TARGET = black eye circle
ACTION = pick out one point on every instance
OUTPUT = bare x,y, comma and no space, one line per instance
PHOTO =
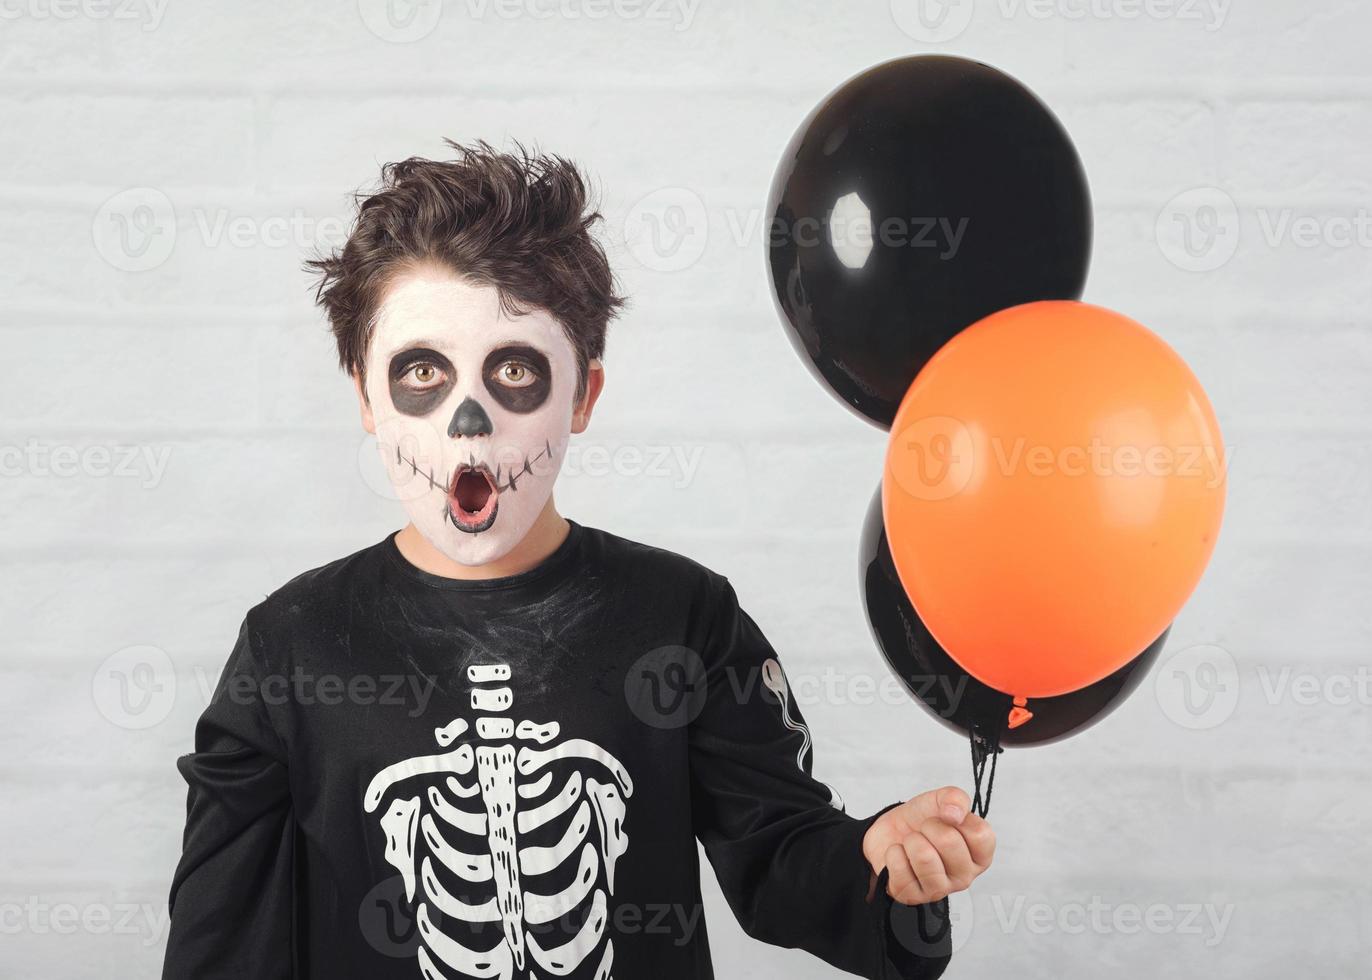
517,376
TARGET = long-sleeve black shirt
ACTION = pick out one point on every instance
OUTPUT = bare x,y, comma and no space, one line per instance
403,775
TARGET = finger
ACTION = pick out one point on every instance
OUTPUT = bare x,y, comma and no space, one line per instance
954,855
980,838
927,864
949,804
901,883
953,805
886,830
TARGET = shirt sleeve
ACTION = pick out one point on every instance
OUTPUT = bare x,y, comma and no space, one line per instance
787,857
232,897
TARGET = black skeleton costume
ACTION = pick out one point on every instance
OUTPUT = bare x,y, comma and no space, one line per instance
404,775
412,776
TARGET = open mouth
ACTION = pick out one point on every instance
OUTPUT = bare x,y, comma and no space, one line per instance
472,499
474,491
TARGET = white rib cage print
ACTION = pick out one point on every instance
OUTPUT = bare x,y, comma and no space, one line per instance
461,815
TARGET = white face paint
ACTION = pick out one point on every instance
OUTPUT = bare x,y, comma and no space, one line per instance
472,408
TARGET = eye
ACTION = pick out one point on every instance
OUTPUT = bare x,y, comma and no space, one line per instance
515,374
422,376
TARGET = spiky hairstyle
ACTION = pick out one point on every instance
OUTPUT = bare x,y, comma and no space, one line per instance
519,221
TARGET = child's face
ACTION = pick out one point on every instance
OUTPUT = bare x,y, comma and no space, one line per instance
472,410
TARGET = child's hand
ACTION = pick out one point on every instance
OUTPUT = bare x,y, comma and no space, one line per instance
933,844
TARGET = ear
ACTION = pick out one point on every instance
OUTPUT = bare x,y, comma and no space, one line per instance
595,382
364,406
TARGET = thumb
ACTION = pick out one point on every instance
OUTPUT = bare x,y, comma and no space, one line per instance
949,804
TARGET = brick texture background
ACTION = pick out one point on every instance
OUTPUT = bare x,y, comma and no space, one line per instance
177,441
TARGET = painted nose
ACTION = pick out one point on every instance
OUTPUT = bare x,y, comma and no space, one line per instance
470,419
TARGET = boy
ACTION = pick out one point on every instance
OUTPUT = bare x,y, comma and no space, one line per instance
487,745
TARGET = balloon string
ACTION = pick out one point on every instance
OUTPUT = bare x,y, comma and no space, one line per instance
985,748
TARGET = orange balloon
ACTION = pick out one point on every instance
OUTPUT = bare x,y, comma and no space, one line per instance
1053,490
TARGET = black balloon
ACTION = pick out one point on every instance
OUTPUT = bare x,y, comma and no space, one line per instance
948,692
919,197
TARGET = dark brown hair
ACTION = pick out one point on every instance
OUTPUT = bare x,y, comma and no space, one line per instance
518,221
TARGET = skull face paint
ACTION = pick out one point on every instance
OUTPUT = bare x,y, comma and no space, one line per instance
472,410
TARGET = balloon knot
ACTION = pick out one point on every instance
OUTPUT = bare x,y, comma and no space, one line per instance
1019,714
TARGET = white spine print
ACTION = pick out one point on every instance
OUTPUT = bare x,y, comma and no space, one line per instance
775,680
544,785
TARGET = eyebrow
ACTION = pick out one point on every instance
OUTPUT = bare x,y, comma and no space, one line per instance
428,342
518,343
435,345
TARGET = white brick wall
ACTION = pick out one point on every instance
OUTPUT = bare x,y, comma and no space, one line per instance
242,117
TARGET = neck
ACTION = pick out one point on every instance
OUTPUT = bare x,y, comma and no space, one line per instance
549,530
